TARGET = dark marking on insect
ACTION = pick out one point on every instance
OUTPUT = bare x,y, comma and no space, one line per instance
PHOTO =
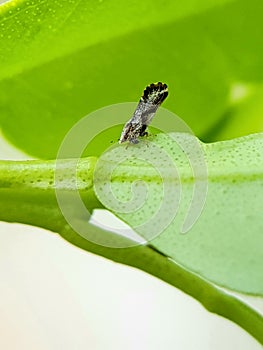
153,96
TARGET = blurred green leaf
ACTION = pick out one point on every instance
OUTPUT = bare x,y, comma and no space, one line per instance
61,60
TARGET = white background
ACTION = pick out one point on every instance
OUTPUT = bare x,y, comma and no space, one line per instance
56,296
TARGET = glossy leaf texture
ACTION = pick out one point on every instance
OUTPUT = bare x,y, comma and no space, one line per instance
60,60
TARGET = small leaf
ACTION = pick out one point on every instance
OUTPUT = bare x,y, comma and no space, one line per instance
224,240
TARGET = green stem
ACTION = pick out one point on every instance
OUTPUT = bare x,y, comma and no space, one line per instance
27,195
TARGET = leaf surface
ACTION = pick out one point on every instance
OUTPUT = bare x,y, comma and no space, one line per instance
60,60
224,239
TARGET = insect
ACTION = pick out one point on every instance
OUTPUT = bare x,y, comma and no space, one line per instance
153,96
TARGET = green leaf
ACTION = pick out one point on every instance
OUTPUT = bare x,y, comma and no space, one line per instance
223,244
61,60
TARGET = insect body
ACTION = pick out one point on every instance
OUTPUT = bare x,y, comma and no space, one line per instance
152,97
